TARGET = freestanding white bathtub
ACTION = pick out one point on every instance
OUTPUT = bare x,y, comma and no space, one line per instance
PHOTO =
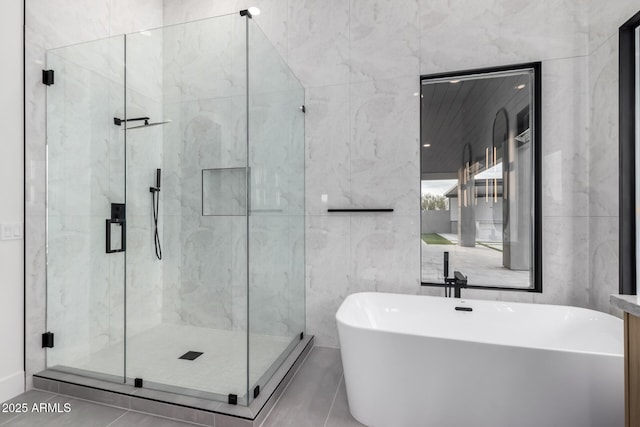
416,361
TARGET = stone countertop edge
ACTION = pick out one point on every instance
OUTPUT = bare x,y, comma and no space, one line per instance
628,303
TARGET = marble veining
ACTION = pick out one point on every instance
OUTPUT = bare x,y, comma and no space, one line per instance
318,41
383,39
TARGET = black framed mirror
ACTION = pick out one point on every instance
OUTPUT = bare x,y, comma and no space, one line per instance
629,146
480,178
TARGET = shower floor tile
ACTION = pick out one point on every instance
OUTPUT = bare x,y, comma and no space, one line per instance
154,356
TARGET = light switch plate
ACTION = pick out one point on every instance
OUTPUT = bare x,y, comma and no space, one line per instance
7,231
17,231
11,231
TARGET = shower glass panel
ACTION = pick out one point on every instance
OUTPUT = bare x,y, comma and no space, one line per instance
276,208
193,77
85,173
176,209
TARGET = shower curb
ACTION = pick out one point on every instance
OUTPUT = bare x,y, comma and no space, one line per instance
175,406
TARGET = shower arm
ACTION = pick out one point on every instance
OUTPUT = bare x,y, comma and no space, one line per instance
118,122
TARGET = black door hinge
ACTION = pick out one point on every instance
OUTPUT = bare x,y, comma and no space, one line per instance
303,109
233,399
256,391
137,382
47,77
47,340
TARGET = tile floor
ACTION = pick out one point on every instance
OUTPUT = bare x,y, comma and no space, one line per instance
316,397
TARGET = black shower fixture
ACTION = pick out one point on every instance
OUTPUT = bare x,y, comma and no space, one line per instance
118,122
155,205
157,187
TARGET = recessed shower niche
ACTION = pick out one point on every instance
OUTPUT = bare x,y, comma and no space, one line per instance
224,191
175,125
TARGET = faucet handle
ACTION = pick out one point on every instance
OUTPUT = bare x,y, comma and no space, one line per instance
460,278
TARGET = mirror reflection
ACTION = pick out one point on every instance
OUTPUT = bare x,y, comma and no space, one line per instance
477,178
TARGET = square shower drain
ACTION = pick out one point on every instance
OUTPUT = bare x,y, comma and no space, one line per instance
191,355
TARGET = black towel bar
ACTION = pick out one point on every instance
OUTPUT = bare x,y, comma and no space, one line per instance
360,210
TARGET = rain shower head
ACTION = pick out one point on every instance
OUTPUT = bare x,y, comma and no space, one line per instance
119,122
147,124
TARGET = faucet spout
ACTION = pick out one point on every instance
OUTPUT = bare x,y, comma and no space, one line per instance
459,282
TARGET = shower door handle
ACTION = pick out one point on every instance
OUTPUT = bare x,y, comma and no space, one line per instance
117,217
123,234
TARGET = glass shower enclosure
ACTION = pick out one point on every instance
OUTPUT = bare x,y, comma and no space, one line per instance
175,209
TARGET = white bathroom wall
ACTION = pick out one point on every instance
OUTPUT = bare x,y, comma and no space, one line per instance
11,207
604,22
360,63
53,24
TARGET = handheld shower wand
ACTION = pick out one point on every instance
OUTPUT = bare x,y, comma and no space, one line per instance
155,203
156,189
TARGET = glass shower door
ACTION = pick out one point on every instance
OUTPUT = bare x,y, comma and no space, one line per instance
85,168
276,213
187,312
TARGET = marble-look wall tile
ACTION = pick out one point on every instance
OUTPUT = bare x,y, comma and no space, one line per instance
384,39
606,17
328,265
146,14
603,150
384,253
180,11
213,271
270,256
565,148
327,136
172,311
384,148
69,284
458,35
296,291
565,265
318,39
63,22
209,279
603,142
546,29
198,68
603,262
144,70
273,21
276,151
